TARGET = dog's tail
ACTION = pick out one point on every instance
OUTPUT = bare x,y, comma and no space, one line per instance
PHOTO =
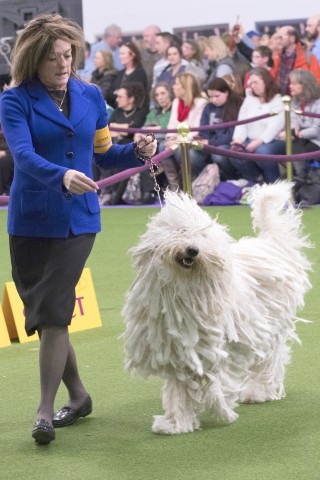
279,226
274,213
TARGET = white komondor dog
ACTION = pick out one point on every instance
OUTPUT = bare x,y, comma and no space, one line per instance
212,316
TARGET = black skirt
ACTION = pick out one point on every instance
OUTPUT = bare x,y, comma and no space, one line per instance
46,272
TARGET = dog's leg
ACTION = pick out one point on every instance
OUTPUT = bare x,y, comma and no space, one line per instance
180,415
266,381
221,403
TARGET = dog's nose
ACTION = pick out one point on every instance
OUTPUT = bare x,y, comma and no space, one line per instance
192,251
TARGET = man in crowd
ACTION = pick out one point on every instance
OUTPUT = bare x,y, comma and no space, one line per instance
149,53
292,56
313,33
163,41
111,40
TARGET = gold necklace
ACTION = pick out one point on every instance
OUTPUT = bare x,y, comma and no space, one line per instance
58,102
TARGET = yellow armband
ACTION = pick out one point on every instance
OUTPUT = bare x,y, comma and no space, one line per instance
102,140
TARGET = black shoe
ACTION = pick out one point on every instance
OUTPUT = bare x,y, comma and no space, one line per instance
43,432
66,416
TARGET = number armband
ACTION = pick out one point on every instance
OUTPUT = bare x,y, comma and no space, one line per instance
102,140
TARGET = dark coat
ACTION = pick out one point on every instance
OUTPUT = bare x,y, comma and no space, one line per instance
106,81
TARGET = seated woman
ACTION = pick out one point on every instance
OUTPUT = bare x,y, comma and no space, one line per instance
187,107
175,66
128,113
305,93
157,118
105,74
224,105
260,137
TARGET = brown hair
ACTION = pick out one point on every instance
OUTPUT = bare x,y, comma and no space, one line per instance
271,86
133,47
136,90
235,83
36,41
197,53
265,52
234,101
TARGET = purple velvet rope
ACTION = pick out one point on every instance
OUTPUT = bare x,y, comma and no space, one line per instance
4,199
309,114
118,177
206,127
192,129
255,156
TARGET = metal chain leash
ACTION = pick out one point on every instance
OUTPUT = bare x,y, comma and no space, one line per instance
154,169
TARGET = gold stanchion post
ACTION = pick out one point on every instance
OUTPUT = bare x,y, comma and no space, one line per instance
183,130
287,109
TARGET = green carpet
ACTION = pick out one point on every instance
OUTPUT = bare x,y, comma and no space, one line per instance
273,441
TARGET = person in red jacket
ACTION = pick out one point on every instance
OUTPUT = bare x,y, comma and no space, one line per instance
292,56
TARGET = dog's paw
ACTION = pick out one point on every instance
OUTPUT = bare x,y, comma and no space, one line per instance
168,426
256,393
227,416
251,400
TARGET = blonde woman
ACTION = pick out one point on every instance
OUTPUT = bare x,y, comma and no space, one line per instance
219,57
186,107
105,74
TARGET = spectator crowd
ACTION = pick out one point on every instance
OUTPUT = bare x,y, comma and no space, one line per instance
160,81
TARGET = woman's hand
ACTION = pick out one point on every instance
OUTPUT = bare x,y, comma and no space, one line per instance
282,135
202,141
138,136
295,133
146,146
78,182
171,140
253,145
236,141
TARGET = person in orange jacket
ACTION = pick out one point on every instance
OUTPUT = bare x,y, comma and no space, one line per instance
293,56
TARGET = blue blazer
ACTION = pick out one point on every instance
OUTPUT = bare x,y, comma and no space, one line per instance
45,144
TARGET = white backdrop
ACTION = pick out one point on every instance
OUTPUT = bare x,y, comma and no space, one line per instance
134,15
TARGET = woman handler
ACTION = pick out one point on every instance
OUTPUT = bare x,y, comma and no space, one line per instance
54,123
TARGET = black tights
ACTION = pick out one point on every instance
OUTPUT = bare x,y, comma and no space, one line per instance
58,362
